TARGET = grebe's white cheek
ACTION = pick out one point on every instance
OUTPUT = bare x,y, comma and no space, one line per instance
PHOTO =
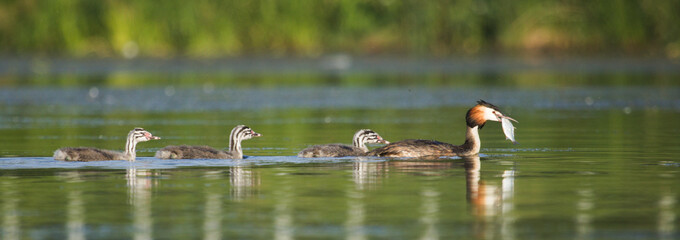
490,115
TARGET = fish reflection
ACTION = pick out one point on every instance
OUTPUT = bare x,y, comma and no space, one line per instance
507,220
139,183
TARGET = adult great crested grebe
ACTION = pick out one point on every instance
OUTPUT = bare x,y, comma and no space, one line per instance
476,118
359,148
135,136
238,134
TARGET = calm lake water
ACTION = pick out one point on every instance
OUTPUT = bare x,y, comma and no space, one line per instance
598,154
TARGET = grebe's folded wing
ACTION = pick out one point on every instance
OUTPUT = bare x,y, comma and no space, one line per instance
415,148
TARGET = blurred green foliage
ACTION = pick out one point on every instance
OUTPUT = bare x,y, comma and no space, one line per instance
309,28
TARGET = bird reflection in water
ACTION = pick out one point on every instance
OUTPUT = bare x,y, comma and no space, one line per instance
212,224
75,217
367,174
244,182
140,182
75,209
491,204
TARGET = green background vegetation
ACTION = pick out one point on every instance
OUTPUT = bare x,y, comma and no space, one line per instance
176,28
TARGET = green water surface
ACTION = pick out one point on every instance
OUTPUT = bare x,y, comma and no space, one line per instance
594,161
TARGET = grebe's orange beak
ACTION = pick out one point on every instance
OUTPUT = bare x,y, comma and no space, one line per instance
509,118
501,116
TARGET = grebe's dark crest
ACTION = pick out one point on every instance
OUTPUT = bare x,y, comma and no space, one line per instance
479,114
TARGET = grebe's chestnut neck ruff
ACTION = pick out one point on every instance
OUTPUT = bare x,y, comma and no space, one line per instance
475,118
358,148
135,136
482,112
238,134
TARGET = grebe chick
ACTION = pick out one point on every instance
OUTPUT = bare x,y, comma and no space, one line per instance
359,148
135,136
476,118
238,134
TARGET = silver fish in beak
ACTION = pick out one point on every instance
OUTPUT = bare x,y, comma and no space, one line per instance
508,128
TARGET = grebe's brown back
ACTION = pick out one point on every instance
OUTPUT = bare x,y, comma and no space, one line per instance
476,118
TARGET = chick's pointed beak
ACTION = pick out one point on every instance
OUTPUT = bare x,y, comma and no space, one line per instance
255,134
149,136
382,140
